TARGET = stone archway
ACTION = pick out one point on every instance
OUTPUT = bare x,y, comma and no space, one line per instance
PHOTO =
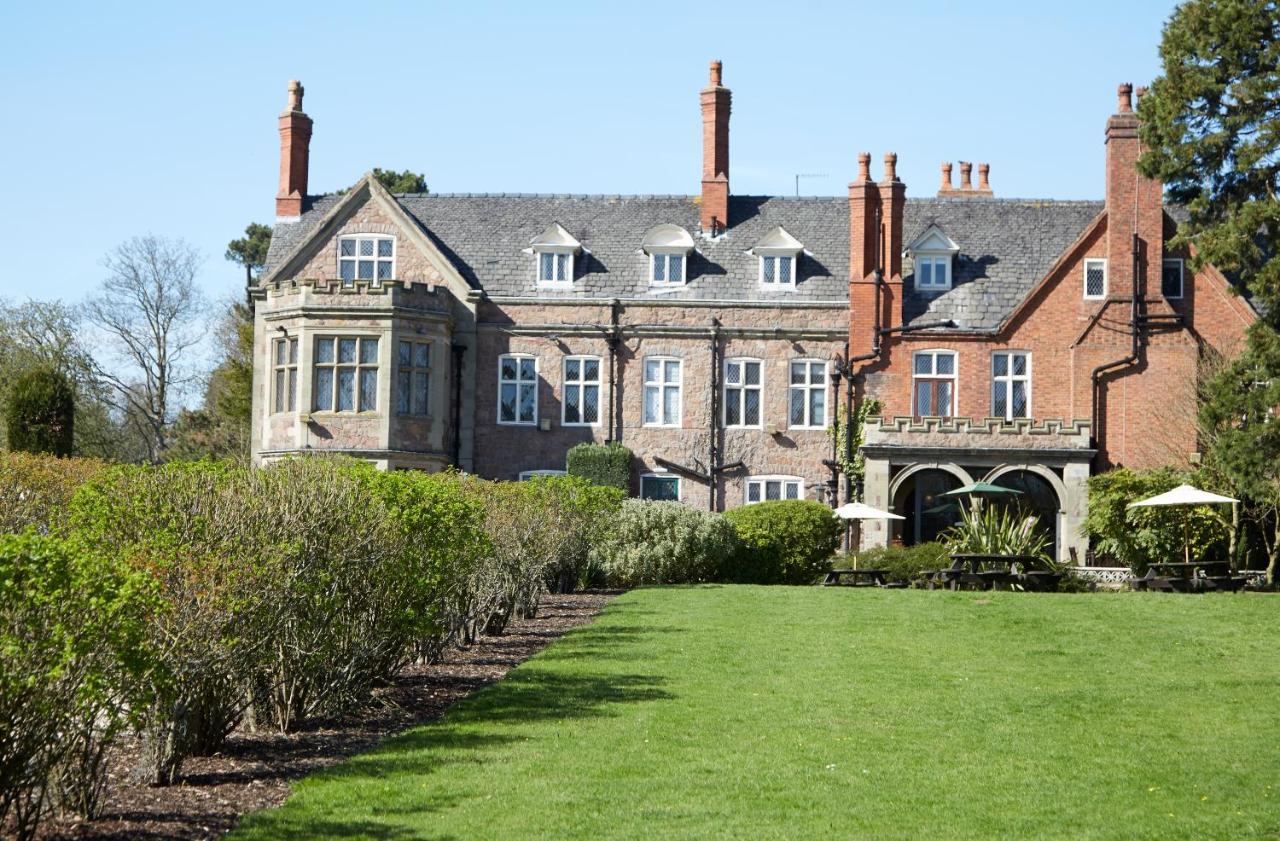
916,495
1043,492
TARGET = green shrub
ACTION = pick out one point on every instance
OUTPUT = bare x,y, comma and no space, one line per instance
783,542
993,529
608,465
665,543
586,514
906,563
40,415
72,658
36,490
1135,537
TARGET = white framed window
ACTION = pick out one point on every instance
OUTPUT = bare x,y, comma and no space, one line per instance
581,405
933,384
413,378
1171,277
366,257
346,374
518,389
660,486
777,270
526,475
666,269
933,272
662,383
285,367
743,390
808,394
1011,384
769,488
555,268
1095,278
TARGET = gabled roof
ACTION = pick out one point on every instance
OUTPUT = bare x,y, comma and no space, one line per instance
777,241
555,237
1006,246
932,238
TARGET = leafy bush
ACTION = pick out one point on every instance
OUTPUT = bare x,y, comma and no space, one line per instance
1135,537
993,529
608,465
36,490
40,415
783,542
665,543
906,563
72,657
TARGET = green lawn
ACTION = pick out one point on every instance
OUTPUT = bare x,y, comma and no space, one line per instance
753,712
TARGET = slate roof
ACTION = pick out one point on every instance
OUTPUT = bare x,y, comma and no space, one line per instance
1006,246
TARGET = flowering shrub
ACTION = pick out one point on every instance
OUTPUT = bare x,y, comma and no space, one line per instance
665,543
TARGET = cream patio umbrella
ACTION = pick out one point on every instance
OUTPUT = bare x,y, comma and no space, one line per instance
862,511
1184,495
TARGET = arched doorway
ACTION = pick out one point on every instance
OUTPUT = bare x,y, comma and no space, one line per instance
1038,497
927,513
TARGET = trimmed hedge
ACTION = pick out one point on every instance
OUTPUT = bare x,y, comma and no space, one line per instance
608,465
783,542
73,656
665,543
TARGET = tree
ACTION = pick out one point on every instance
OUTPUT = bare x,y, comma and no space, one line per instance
220,428
251,250
1211,129
1239,415
401,182
40,414
152,318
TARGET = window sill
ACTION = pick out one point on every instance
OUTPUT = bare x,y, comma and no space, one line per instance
323,413
525,424
580,425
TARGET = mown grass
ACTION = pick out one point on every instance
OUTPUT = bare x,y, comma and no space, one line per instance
750,712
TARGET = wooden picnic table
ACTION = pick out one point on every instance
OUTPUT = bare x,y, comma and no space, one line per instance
967,568
1189,577
861,577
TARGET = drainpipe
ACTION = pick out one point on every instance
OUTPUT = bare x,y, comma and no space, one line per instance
614,340
1131,359
713,451
456,413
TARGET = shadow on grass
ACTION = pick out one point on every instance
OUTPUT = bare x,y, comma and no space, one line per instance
472,733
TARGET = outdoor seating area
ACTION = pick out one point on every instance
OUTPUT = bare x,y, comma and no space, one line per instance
861,578
989,572
1190,577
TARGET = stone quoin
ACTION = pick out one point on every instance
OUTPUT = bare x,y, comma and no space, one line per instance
1027,342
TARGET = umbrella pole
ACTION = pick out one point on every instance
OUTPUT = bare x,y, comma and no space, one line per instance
1186,541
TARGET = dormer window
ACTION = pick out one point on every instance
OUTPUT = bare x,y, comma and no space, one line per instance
932,253
365,257
553,251
667,247
779,254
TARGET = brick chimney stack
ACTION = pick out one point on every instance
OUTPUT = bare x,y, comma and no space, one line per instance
945,188
715,153
295,142
893,202
966,175
875,242
984,185
1135,205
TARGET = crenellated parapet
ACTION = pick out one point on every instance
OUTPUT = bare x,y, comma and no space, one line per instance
985,433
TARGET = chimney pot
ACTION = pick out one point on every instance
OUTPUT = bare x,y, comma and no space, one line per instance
716,69
864,166
984,171
1124,97
966,174
295,95
891,166
945,187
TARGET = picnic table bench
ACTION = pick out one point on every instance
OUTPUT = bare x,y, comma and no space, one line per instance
861,577
968,568
1189,577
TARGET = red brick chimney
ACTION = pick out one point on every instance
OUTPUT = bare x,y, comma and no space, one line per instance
945,187
715,154
864,239
893,201
295,141
1135,204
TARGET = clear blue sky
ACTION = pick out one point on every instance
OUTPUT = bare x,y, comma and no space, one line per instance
161,118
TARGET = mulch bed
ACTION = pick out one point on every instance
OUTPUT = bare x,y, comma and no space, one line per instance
255,769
